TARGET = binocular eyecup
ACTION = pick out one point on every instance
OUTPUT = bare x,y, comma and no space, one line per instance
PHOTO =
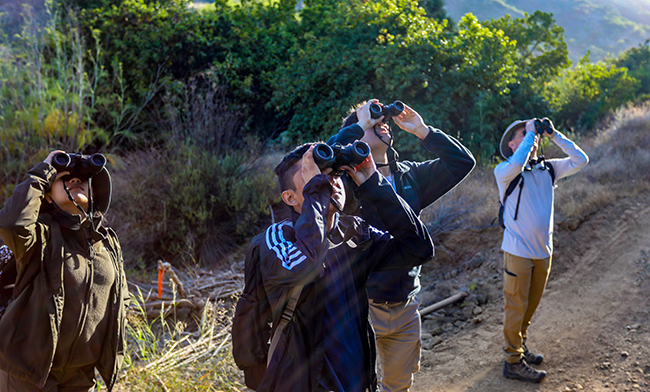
542,126
394,109
336,155
80,166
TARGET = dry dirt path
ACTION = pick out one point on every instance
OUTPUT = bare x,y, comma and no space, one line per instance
593,324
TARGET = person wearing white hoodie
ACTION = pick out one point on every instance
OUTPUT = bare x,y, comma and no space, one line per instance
528,236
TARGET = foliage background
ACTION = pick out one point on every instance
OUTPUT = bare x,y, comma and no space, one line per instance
194,105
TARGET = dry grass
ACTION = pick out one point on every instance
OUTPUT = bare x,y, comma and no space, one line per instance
171,354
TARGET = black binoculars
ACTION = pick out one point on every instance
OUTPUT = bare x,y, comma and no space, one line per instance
336,155
394,109
542,126
80,166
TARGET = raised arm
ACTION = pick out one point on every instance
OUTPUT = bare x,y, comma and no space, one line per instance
576,160
19,215
438,176
406,241
293,253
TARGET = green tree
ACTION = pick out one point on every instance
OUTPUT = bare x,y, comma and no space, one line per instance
435,9
541,50
637,62
587,93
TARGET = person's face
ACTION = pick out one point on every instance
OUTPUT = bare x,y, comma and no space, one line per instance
79,191
375,143
295,198
518,138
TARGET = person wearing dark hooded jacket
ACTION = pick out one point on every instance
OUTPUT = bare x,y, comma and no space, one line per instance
68,314
328,345
393,294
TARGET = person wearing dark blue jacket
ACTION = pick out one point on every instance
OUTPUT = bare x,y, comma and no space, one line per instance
393,302
328,343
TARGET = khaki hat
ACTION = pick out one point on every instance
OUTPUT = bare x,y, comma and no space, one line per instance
505,150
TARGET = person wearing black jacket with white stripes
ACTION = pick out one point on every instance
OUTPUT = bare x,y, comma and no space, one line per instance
329,343
393,302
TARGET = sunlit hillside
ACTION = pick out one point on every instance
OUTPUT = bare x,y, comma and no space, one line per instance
599,26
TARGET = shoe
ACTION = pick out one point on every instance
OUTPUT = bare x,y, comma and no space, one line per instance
521,371
532,358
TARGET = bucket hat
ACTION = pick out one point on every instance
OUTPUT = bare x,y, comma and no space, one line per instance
505,150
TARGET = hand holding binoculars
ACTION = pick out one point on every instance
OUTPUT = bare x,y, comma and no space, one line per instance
80,166
394,109
542,126
336,155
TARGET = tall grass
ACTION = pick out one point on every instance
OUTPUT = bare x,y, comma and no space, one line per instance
46,95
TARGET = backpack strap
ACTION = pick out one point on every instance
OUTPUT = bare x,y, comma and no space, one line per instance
551,171
511,187
287,315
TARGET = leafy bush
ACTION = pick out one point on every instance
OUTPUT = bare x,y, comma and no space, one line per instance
637,62
202,192
470,82
585,94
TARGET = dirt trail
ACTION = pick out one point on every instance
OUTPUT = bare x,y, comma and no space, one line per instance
593,324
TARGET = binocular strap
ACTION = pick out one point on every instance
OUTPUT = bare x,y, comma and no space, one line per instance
393,156
90,201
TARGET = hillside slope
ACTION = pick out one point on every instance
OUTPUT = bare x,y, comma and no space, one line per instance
600,26
593,324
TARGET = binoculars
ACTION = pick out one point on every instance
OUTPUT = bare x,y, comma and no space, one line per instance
80,166
542,126
336,155
394,109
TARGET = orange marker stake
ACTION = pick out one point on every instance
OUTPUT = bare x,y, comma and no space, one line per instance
161,275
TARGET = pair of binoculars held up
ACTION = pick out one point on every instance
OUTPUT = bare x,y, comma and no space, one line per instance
394,109
80,166
542,126
336,155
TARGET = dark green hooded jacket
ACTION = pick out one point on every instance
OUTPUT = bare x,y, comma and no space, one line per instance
31,327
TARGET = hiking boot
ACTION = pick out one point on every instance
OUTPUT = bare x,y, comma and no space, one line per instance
532,358
521,371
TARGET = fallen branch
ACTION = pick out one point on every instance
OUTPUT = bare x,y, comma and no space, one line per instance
439,305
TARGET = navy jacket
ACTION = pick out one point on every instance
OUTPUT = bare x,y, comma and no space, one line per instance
299,251
419,184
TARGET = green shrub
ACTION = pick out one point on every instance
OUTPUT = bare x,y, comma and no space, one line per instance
587,93
637,62
199,194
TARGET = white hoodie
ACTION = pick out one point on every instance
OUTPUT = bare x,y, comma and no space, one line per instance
531,235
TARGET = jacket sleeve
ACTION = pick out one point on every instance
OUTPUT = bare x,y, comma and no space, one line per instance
347,135
19,215
506,171
406,241
576,160
437,177
294,255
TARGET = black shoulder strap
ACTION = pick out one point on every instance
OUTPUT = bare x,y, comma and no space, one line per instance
511,187
551,171
287,317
